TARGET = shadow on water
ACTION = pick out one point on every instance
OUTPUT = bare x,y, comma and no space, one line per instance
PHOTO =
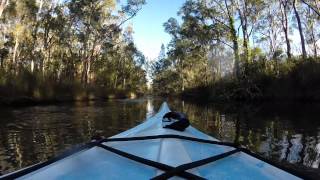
282,132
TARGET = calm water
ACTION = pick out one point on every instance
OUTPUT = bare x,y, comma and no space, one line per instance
288,133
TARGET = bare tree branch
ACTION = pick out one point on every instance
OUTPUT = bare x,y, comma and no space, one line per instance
311,7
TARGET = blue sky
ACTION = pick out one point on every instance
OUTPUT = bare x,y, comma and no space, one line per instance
148,25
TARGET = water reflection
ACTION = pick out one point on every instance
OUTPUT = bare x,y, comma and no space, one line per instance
284,133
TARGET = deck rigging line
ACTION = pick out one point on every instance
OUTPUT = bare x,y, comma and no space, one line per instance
148,162
169,171
194,164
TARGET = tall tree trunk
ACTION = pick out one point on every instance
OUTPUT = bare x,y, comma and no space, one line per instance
303,45
287,42
181,75
271,32
124,83
235,45
115,82
284,22
84,74
182,88
2,6
315,51
32,66
314,41
15,51
311,24
40,8
88,71
245,39
84,58
244,26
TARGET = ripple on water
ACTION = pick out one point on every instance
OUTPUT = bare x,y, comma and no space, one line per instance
33,134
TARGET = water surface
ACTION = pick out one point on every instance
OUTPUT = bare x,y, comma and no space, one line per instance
286,133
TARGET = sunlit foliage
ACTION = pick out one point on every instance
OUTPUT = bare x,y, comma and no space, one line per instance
64,48
244,49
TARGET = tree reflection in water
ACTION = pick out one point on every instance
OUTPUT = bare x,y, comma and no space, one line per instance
285,133
281,132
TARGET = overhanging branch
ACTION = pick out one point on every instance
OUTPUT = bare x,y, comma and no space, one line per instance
311,7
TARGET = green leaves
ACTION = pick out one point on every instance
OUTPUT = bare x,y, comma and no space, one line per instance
133,6
172,27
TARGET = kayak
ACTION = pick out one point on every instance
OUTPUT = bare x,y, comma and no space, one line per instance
149,151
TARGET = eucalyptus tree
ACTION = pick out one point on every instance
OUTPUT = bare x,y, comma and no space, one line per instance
249,12
312,32
89,20
21,14
207,25
223,14
161,63
71,41
215,29
164,74
300,28
269,27
94,23
216,24
284,8
177,50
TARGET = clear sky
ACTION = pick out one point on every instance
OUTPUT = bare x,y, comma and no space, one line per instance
148,25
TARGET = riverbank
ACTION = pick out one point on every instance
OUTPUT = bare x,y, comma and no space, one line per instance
27,88
21,101
295,81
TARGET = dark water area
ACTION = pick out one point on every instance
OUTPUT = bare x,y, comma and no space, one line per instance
286,133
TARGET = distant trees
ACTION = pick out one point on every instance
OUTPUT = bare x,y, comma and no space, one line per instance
76,41
255,33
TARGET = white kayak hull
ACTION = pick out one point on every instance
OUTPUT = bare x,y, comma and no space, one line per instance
97,163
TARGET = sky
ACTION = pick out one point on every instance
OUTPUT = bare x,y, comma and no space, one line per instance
148,27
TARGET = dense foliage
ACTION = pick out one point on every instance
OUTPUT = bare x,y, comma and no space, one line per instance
73,48
242,50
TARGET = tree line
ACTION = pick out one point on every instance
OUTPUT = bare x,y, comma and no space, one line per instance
50,46
242,49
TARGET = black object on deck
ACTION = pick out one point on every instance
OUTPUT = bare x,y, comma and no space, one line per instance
175,120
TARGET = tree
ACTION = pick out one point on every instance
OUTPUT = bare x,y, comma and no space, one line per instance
312,34
254,34
217,19
313,5
269,27
161,63
302,41
65,43
3,4
284,8
248,11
